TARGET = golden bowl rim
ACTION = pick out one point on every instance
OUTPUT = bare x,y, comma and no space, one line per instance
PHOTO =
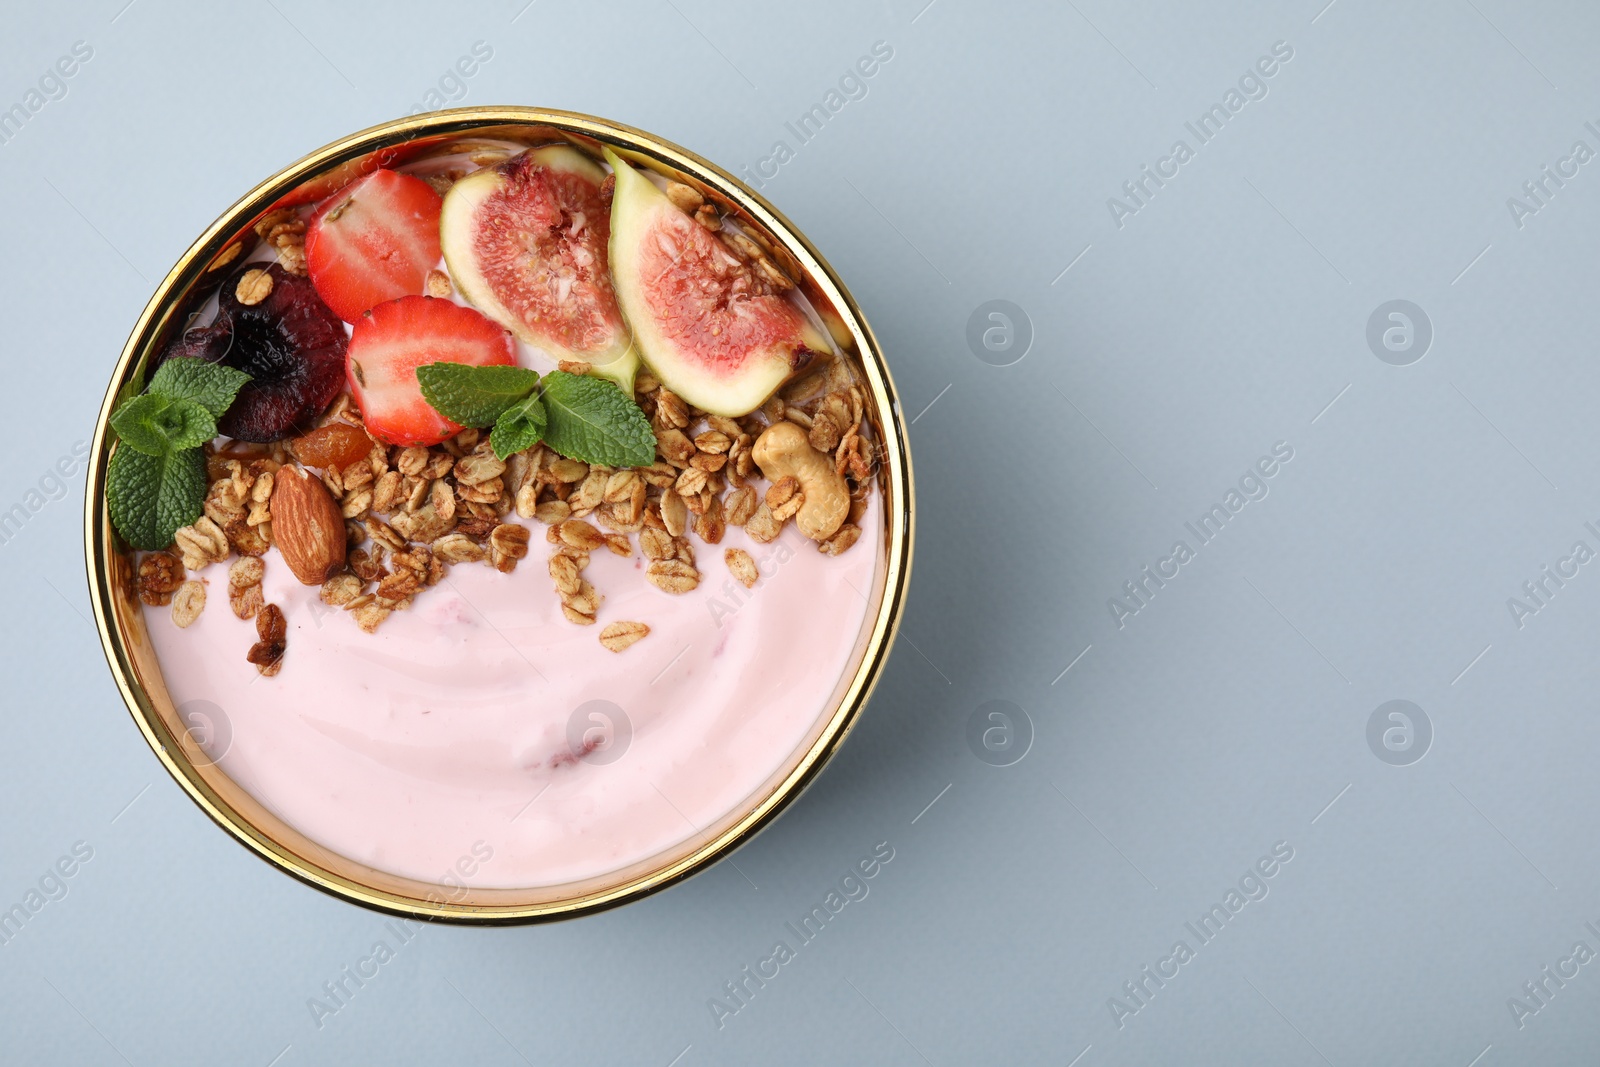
100,543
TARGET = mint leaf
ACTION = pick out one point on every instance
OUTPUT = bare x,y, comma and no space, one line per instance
157,425
211,385
518,427
156,481
150,497
134,423
473,396
592,420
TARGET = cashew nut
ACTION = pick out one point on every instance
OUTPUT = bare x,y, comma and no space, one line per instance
782,450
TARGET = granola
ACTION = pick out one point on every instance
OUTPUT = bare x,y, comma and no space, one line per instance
272,631
160,575
742,566
618,636
411,512
187,603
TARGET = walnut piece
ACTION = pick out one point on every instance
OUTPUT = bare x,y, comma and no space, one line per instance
293,260
160,575
254,286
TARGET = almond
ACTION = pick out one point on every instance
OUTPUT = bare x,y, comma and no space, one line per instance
307,526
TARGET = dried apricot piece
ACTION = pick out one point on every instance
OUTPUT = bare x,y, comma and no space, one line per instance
337,444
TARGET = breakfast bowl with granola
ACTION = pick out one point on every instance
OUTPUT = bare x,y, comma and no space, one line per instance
498,515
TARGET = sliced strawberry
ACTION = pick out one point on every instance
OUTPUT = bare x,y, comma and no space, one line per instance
374,240
395,338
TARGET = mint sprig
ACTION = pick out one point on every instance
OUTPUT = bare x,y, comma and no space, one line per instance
590,419
157,425
584,418
474,396
156,481
519,427
151,497
211,385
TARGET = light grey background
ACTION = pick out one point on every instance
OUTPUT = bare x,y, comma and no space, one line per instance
1227,314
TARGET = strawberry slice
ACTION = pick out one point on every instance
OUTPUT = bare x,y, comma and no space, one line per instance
374,240
392,340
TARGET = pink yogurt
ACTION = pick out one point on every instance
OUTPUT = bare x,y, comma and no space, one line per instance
449,733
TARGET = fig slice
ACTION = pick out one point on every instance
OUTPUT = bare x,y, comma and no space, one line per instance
709,326
526,244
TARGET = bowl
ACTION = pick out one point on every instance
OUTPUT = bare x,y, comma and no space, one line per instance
132,657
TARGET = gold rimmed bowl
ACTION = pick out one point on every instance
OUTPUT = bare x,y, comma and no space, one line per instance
133,659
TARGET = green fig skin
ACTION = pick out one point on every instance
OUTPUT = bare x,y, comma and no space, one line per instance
716,378
459,223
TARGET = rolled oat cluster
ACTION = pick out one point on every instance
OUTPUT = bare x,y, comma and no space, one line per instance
410,513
